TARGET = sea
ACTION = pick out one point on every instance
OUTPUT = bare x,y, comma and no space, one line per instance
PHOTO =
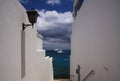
61,63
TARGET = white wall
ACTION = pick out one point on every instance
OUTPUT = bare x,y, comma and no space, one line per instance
95,41
10,40
20,57
39,42
37,66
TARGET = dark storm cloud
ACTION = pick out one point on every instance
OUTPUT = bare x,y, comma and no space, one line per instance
61,35
56,28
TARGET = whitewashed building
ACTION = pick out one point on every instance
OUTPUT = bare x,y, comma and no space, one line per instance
95,42
21,55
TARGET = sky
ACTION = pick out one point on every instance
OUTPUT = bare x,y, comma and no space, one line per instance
54,22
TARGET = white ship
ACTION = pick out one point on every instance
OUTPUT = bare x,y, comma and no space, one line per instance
58,50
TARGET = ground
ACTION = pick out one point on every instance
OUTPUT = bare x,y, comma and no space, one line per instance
61,80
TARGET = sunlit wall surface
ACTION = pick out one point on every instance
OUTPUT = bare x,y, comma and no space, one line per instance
21,59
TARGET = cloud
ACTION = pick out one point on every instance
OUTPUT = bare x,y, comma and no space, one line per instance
52,19
56,28
53,2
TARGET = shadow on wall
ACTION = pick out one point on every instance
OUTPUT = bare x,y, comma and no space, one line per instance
22,54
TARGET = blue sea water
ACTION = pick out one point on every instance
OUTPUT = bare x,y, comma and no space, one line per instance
61,63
